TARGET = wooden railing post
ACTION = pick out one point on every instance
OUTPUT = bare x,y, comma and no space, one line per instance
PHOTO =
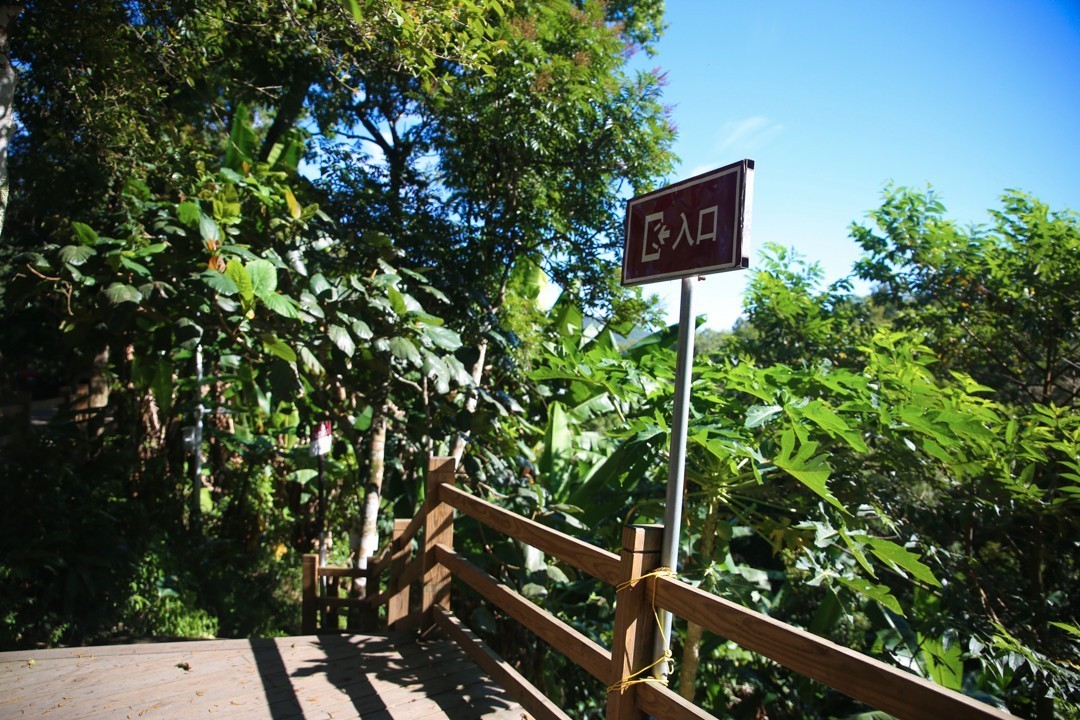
397,606
438,530
309,612
635,622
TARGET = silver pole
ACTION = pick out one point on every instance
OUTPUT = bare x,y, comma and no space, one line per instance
684,369
196,461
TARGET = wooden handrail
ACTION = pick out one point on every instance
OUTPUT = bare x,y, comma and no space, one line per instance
863,678
601,564
586,653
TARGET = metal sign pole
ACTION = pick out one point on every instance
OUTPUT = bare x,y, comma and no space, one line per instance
684,369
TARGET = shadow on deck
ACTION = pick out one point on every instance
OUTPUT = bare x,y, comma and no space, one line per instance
376,677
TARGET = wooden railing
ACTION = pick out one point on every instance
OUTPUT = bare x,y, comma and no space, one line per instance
639,594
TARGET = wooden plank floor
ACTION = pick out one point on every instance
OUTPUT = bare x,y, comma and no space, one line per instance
327,676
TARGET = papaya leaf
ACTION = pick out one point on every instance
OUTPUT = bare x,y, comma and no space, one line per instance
811,470
759,414
878,593
902,559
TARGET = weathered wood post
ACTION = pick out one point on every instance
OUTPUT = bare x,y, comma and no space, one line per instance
438,530
397,607
636,625
309,609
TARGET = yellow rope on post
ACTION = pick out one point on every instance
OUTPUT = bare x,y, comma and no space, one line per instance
633,678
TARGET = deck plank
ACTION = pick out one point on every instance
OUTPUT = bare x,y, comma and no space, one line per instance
377,677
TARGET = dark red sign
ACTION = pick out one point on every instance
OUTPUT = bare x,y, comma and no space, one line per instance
694,227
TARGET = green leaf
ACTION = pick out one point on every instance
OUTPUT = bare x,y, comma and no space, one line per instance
310,362
363,420
277,347
281,304
263,277
303,476
878,593
340,337
757,414
361,330
162,385
121,293
188,213
1071,629
208,229
403,349
945,665
813,472
76,254
240,276
397,300
442,337
220,282
902,559
294,207
84,233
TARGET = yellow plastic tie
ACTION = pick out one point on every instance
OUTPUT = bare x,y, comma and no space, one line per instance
633,678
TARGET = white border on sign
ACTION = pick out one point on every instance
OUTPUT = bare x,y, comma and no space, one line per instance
741,240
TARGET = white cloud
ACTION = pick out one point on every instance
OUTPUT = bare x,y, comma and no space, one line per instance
743,137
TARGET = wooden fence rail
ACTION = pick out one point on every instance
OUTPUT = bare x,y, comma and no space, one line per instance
639,594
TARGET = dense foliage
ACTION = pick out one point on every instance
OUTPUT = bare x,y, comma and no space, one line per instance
253,218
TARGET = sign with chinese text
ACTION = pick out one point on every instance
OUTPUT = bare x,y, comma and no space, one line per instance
694,227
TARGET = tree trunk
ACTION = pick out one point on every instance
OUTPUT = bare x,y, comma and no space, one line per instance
369,527
8,13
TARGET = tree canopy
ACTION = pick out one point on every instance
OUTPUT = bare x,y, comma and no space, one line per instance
231,222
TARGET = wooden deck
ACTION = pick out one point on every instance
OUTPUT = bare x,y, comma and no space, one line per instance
327,676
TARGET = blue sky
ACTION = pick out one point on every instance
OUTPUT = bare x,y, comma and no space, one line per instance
835,99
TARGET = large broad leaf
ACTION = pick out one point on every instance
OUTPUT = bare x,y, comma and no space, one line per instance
76,254
284,381
944,661
220,282
263,277
162,384
294,207
84,233
239,275
558,441
310,362
403,349
278,348
281,304
361,330
209,230
443,337
340,337
188,212
397,300
902,559
436,370
121,293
